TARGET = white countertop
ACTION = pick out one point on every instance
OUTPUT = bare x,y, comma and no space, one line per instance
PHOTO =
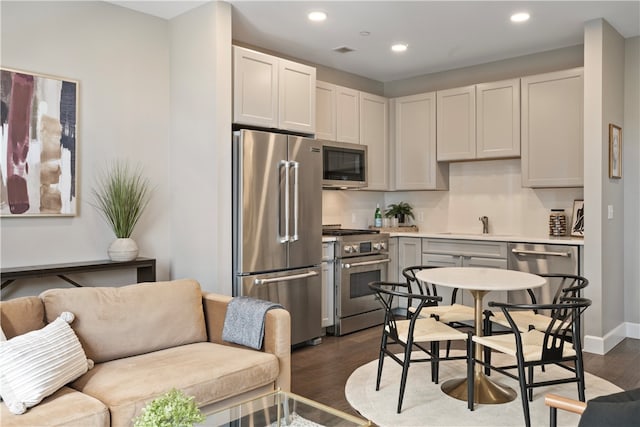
575,241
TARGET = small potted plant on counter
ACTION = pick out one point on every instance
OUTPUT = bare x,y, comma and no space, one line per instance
401,210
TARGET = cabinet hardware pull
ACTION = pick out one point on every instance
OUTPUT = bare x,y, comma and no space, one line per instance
525,252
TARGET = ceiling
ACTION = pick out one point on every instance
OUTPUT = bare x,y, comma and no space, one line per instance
441,35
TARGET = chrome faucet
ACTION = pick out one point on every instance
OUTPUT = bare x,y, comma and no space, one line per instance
485,224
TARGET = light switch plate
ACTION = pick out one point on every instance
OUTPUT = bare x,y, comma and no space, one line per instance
609,211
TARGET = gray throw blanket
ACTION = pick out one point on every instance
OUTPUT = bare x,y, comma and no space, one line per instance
244,321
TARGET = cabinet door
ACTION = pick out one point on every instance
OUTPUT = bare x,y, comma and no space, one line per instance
297,97
255,88
325,111
414,144
348,115
456,134
374,133
409,253
327,294
498,119
552,129
394,273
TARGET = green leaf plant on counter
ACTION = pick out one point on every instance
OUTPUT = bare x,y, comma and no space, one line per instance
399,210
172,409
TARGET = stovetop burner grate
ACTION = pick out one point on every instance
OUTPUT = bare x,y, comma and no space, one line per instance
346,232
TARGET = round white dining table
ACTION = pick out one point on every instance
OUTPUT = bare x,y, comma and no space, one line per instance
479,282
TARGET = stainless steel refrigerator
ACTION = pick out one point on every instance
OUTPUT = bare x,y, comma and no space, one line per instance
277,224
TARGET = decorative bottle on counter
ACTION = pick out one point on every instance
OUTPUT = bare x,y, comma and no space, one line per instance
557,223
377,217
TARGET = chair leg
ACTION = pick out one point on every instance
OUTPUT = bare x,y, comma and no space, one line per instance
405,371
383,346
448,348
487,351
580,374
530,391
553,417
435,361
523,392
470,372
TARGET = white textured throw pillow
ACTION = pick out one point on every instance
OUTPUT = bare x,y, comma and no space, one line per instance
36,364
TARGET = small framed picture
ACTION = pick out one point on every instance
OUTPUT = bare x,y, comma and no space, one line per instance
577,222
615,151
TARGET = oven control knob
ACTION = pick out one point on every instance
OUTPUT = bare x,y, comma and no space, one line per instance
349,249
377,246
383,246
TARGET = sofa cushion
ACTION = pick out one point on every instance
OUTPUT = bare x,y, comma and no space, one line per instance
66,407
209,372
38,363
21,315
112,323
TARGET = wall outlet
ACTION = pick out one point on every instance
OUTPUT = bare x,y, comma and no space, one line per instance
609,211
420,217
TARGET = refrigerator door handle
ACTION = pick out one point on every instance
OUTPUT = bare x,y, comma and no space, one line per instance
285,238
545,253
259,282
296,200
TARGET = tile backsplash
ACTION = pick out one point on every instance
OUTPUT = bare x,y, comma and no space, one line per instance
490,187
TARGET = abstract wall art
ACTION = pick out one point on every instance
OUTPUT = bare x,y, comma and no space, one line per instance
39,145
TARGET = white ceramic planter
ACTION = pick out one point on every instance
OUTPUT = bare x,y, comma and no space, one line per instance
123,249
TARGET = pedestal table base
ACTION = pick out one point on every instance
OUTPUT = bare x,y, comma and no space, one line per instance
485,390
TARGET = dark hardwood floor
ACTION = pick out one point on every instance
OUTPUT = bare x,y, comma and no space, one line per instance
320,372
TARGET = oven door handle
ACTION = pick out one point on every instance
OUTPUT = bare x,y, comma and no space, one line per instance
259,282
359,264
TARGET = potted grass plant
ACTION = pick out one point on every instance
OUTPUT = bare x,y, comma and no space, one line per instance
401,210
172,409
121,194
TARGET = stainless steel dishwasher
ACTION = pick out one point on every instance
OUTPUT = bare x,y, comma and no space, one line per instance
541,259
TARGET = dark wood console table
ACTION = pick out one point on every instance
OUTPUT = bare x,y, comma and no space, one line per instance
146,269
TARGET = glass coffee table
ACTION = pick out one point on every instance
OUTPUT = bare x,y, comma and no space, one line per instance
279,408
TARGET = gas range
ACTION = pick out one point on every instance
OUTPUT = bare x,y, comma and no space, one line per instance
361,257
354,242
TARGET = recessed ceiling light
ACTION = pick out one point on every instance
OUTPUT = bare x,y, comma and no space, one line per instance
399,47
520,17
317,16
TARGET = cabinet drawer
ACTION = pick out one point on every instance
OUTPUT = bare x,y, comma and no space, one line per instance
488,249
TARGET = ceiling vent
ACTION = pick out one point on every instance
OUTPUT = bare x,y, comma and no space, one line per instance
343,49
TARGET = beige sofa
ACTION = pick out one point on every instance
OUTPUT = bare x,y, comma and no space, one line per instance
144,340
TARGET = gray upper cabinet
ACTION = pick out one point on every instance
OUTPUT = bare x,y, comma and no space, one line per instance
479,121
272,92
552,129
414,144
374,133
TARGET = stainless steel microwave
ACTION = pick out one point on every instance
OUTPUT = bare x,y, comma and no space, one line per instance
344,165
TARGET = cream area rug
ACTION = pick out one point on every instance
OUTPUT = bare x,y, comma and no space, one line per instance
426,405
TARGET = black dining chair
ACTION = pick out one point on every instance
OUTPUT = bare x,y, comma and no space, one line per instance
453,314
566,285
410,333
559,344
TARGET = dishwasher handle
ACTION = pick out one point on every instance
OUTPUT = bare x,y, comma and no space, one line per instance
542,253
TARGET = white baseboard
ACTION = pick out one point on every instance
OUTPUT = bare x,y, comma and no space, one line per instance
601,345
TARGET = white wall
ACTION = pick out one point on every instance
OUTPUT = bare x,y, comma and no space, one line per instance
121,60
631,160
604,238
201,146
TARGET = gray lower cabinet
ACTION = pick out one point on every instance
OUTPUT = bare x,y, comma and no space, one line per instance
328,284
465,253
393,260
